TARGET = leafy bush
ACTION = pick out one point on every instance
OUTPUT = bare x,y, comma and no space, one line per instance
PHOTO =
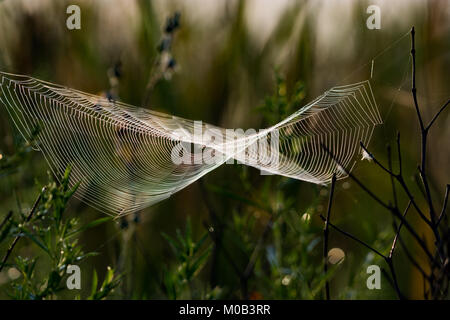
56,236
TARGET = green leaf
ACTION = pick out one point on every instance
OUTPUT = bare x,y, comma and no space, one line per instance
90,225
36,241
199,262
70,193
199,244
94,283
173,245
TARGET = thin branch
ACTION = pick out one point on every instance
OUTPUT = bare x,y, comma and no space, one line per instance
354,238
399,153
388,278
414,89
413,233
393,210
387,259
378,163
425,182
394,279
418,181
412,259
425,293
444,205
424,132
358,182
437,115
254,257
394,191
439,279
325,237
227,255
6,219
27,219
400,179
394,242
432,221
215,229
410,196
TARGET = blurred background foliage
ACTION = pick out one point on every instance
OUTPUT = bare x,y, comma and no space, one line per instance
236,64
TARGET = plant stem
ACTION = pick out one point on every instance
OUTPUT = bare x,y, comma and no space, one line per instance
349,235
8,216
397,234
27,219
325,237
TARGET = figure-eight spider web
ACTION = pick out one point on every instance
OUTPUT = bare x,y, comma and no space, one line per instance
122,155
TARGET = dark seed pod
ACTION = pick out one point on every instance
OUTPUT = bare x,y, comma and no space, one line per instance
173,23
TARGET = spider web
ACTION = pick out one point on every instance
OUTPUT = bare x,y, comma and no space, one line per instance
124,156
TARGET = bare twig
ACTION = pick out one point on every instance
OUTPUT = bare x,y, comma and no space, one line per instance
349,235
397,234
423,129
392,209
399,154
444,205
437,115
401,181
412,259
425,292
414,89
325,237
388,277
431,223
394,278
356,180
439,261
394,191
385,258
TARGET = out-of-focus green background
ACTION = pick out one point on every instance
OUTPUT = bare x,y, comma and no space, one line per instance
228,55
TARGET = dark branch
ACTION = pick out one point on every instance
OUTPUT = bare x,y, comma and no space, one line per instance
27,219
400,171
412,259
378,163
437,115
387,259
444,205
400,179
424,132
394,242
388,278
358,182
394,279
394,191
393,210
6,219
354,238
325,237
414,89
